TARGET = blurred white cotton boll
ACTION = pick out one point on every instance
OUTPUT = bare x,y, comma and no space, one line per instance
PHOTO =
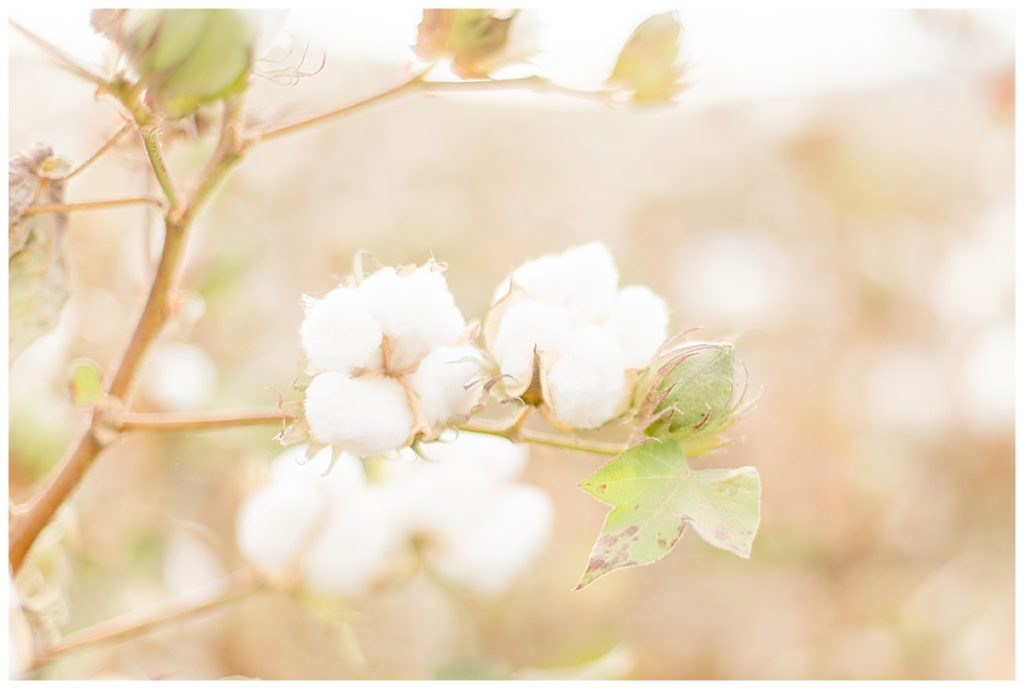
179,376
595,280
363,416
357,542
525,325
441,382
496,459
416,311
274,522
987,377
585,385
639,321
339,332
344,478
487,553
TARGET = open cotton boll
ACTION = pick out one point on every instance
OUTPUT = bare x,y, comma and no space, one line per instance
440,382
525,325
496,459
639,321
416,312
487,553
357,542
545,279
363,416
339,332
345,477
594,279
584,386
274,522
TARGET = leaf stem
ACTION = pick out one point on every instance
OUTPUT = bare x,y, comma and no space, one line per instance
111,142
134,624
63,59
199,421
525,435
94,205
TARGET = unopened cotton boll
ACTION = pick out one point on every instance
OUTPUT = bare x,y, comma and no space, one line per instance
416,311
363,416
487,553
442,382
339,332
525,325
274,522
584,386
639,321
359,539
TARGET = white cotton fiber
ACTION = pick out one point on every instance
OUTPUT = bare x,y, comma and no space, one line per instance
363,416
585,385
639,321
275,521
594,279
356,544
487,553
544,279
416,312
441,382
346,476
339,333
527,324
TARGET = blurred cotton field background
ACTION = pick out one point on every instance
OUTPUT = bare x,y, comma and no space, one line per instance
833,192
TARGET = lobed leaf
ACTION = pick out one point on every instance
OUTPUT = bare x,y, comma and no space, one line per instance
654,496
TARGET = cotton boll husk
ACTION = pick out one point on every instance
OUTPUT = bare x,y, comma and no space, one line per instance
639,321
344,478
584,387
363,416
487,553
527,324
416,311
275,521
440,382
179,376
339,332
361,536
594,279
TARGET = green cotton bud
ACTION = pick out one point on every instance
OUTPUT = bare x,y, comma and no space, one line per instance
185,58
687,394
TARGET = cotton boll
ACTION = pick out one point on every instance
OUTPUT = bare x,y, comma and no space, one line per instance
639,321
525,325
345,477
363,416
274,522
180,376
594,279
487,553
339,333
440,382
546,279
495,459
416,311
584,386
357,542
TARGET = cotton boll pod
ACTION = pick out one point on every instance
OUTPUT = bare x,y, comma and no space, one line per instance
639,321
362,416
416,311
359,539
444,382
595,282
486,554
515,329
179,376
687,394
275,522
585,387
339,332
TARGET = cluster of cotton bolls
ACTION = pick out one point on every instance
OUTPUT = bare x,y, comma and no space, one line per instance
339,533
567,313
391,358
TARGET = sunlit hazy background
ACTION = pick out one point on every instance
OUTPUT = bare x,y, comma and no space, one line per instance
833,191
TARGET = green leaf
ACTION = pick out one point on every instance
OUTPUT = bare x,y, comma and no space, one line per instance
86,383
646,66
37,276
655,495
687,395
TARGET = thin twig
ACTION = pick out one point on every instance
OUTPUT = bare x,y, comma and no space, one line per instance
63,59
111,142
525,435
199,421
135,624
535,82
94,205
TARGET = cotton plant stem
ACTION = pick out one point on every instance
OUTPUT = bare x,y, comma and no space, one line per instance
111,142
94,205
135,624
63,59
29,520
525,435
